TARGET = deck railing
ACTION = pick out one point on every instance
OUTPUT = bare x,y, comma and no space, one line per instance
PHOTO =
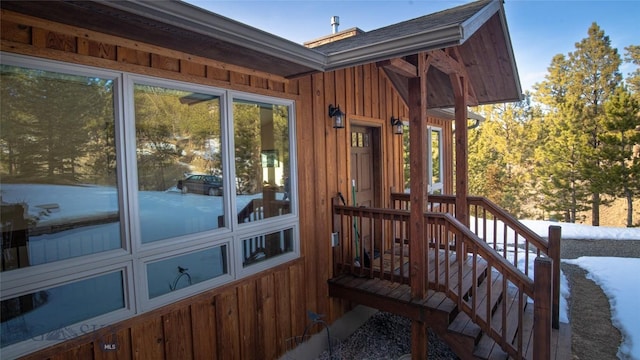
374,243
504,233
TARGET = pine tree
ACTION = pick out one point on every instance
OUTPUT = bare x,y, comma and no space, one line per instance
620,167
633,80
562,143
501,149
595,75
573,95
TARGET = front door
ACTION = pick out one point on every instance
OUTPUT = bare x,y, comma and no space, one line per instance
365,176
362,175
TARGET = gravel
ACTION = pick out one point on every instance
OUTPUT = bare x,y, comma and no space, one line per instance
385,336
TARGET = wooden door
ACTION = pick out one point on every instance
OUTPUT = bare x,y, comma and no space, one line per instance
365,174
362,173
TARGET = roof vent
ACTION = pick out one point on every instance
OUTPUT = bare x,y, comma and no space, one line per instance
335,22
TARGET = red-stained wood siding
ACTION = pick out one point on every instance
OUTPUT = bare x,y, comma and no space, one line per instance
252,317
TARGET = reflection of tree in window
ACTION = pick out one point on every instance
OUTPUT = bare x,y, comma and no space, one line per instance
435,156
175,136
53,135
258,128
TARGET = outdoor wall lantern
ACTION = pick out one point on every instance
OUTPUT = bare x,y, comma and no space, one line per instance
397,126
337,115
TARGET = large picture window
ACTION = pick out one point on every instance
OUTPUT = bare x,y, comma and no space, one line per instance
58,166
179,163
122,193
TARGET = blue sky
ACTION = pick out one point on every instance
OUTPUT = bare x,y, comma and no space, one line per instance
539,29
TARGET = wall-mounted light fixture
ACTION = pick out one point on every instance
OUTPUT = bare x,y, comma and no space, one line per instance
337,115
397,126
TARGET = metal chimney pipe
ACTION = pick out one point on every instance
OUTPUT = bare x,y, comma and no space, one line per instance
335,22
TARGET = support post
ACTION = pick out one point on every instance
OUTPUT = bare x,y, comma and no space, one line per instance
459,84
555,234
542,270
419,340
418,184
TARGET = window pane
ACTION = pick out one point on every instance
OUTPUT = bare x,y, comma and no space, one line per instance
435,157
261,160
267,246
57,167
182,271
179,162
45,314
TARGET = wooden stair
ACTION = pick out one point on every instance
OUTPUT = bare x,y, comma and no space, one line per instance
453,325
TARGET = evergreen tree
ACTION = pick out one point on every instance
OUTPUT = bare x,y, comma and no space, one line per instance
501,150
633,80
559,170
573,94
594,77
561,146
620,167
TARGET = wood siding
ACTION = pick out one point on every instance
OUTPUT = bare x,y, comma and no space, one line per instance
254,316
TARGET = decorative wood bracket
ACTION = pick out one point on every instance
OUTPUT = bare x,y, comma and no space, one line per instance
400,67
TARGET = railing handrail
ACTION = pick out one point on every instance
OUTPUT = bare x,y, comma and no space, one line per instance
488,251
496,210
394,214
517,226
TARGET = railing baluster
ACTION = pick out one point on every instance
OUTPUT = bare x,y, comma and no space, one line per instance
503,334
484,224
521,306
474,281
515,249
447,271
504,241
489,285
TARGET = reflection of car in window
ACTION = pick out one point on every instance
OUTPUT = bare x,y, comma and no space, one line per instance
201,184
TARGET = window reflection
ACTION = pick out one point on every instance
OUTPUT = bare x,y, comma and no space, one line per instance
59,195
178,146
182,271
435,156
263,186
263,247
46,314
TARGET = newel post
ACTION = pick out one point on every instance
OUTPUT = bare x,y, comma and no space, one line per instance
555,233
542,270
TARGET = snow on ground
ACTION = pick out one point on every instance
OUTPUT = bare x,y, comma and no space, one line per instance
618,278
584,232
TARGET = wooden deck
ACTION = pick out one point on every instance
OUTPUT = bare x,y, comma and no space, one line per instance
442,314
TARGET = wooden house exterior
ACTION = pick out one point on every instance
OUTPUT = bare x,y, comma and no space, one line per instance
248,311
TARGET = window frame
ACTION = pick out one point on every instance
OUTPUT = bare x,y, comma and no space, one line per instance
438,186
133,256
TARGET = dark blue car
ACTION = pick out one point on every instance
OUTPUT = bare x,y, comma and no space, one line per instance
201,184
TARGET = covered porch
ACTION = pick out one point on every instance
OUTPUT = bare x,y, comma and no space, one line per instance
456,263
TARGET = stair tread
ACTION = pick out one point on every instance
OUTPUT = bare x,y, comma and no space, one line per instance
463,325
487,348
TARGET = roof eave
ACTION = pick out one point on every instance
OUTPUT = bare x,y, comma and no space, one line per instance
512,58
433,39
193,18
471,25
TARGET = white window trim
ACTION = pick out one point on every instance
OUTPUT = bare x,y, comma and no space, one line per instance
133,256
